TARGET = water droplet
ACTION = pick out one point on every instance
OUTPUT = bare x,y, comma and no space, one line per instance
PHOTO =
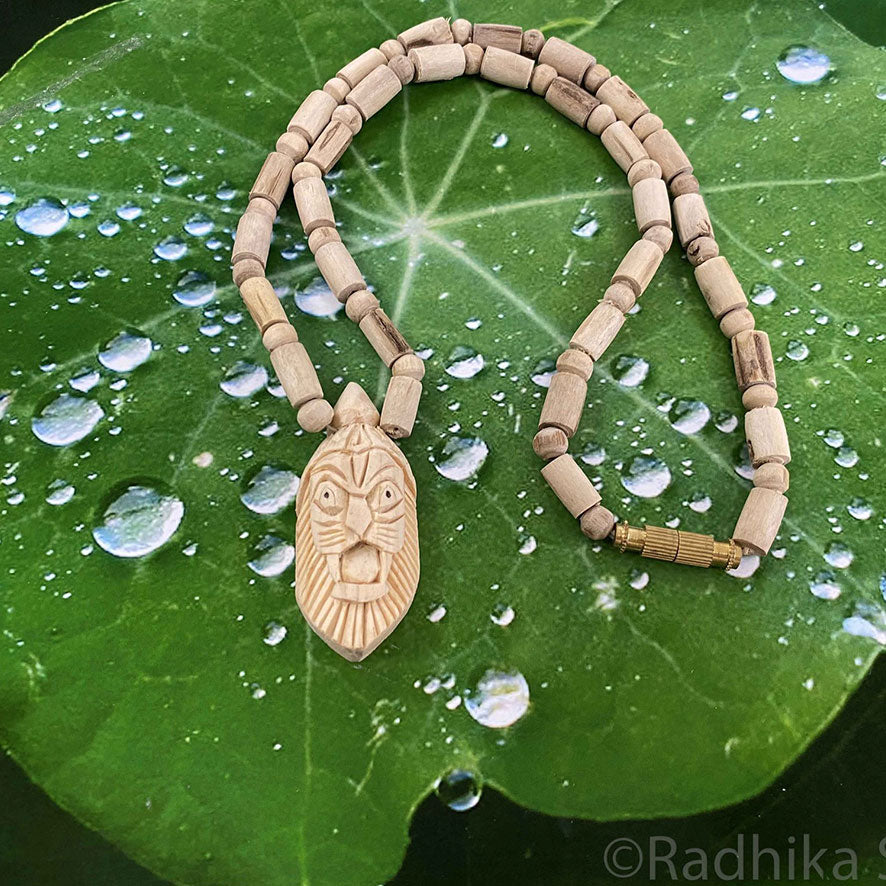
797,350
825,587
175,177
499,140
129,212
846,457
437,613
856,246
593,454
803,64
85,380
198,225
274,633
763,294
646,476
690,416
59,492
193,289
7,195
271,556
869,621
244,379
585,226
125,351
838,555
750,114
499,699
860,509
270,490
460,790
171,249
630,371
461,458
108,228
833,438
43,218
317,299
464,362
502,615
543,372
66,419
138,520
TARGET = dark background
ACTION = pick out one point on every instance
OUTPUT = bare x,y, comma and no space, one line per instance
836,792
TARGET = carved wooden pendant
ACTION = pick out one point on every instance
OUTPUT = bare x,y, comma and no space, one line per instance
356,535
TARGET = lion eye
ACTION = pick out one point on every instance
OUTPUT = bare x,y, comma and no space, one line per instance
330,498
385,496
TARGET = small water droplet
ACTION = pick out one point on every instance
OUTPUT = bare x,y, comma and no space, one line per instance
825,587
804,65
85,380
193,289
499,699
797,350
689,416
171,249
138,520
125,351
646,476
274,633
59,492
586,225
244,379
461,458
317,299
502,615
66,419
838,555
763,294
460,790
499,140
846,457
464,362
750,114
543,372
43,218
630,370
271,556
860,509
198,225
270,490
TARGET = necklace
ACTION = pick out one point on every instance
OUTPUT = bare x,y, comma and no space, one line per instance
357,560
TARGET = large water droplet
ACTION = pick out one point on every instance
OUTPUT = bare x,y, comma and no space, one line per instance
271,556
193,289
460,790
66,419
461,458
803,64
763,294
43,218
825,587
464,362
690,416
59,492
126,351
138,521
646,476
838,555
499,699
171,249
630,370
270,490
244,379
317,299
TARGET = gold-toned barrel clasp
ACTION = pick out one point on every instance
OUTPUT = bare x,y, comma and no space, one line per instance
676,546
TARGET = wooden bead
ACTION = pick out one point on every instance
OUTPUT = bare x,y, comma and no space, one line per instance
507,37
719,286
312,203
645,168
392,49
684,183
702,249
292,144
312,115
651,204
759,395
738,320
533,41
296,373
461,31
691,217
339,270
564,402
339,88
772,475
548,443
752,357
245,269
623,146
350,116
442,62
408,364
262,303
760,520
506,68
473,58
403,68
570,100
568,60
542,77
354,71
332,143
570,484
322,236
646,124
272,181
375,90
577,362
766,436
628,106
597,522
278,334
598,330
661,236
664,149
602,117
621,295
595,77
315,415
435,30
359,304
305,170
381,333
401,406
639,265
253,239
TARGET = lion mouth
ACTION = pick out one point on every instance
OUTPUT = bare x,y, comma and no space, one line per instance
360,570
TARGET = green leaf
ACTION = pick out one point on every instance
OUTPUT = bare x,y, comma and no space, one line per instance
143,679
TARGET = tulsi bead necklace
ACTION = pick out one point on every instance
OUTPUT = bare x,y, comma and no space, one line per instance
356,542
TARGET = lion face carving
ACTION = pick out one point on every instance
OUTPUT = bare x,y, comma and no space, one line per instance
356,542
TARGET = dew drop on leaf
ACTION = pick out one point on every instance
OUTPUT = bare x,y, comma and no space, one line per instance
461,458
630,370
838,555
244,379
317,299
270,490
273,633
825,587
59,492
271,556
646,476
690,416
193,289
42,218
66,419
460,790
499,698
138,520
171,249
464,362
804,65
125,351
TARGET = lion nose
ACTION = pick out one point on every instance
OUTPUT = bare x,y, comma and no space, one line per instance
358,516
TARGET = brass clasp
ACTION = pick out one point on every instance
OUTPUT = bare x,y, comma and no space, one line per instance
676,546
